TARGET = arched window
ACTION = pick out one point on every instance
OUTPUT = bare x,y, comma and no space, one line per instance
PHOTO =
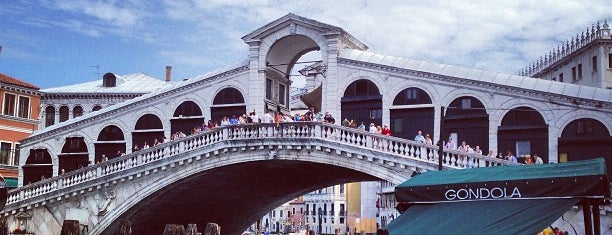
49,116
229,96
77,111
110,133
148,121
188,109
96,108
63,113
412,96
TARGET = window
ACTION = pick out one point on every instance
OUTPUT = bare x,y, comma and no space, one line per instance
77,111
341,188
96,108
561,77
24,107
268,89
579,71
49,116
411,94
16,155
397,125
466,103
63,113
281,94
523,148
9,104
375,113
610,61
594,63
573,74
5,153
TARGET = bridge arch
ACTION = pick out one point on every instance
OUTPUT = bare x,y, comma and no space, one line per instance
38,165
148,127
227,101
268,182
466,119
74,154
412,110
362,102
584,138
523,130
186,116
306,38
110,141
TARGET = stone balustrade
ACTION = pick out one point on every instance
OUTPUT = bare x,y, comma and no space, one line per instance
347,137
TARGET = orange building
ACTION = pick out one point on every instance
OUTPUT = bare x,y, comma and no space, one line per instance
18,119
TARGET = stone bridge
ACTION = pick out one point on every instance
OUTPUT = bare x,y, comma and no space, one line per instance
230,175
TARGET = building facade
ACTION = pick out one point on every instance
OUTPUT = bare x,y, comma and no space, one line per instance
18,119
584,60
60,104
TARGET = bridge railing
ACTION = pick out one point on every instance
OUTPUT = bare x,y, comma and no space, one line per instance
315,130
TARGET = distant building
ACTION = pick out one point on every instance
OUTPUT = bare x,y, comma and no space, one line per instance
326,210
584,60
62,103
18,119
386,204
286,218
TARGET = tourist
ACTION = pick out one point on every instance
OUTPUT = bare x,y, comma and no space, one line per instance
362,126
372,128
329,119
419,137
538,160
385,130
428,139
450,144
477,150
511,157
491,153
528,160
463,147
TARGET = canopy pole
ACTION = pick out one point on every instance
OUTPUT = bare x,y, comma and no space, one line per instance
440,139
596,217
586,213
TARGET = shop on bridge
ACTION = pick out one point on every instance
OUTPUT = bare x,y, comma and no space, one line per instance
362,102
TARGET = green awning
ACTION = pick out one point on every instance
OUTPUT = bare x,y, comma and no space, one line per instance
522,199
563,180
529,216
11,183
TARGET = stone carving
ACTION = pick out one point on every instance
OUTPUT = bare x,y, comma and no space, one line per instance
108,198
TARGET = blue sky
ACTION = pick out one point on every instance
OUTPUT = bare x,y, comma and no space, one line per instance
59,42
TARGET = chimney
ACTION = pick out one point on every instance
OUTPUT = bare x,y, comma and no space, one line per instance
168,73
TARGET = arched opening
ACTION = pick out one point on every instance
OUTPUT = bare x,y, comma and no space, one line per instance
585,138
74,155
96,108
148,128
227,102
523,131
362,102
38,166
77,111
467,120
63,113
49,116
186,116
306,82
280,61
110,144
412,111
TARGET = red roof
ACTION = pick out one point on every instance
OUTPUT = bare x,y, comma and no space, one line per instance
14,81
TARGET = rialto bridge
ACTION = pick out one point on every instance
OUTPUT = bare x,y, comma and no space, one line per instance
200,178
